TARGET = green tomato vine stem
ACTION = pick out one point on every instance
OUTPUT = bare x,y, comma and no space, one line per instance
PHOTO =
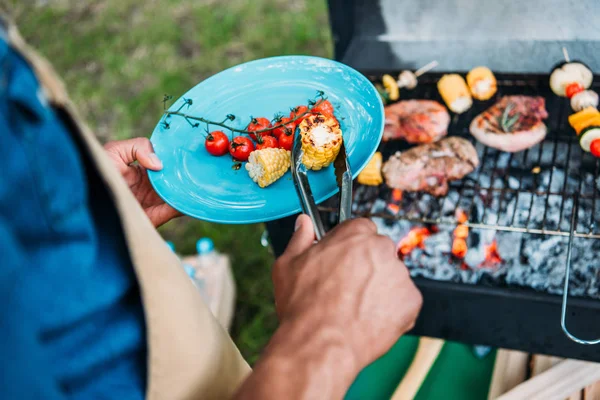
321,96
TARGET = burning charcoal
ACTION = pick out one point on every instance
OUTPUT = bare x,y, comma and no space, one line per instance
508,245
513,183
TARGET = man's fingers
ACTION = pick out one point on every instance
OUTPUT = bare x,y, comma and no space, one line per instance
138,149
303,237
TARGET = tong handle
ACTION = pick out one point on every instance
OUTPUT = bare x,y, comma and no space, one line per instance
346,196
307,200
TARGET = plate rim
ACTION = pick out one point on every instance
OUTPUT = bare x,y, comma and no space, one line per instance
152,174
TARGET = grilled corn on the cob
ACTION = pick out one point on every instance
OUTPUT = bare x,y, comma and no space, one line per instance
455,93
321,140
482,83
371,175
265,166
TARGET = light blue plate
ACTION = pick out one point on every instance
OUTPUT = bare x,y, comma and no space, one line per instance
206,187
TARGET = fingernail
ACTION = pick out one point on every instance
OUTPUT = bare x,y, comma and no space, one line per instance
298,223
155,160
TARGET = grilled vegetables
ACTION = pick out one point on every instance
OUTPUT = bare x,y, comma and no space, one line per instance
482,83
371,175
455,93
587,117
569,73
321,140
513,124
584,99
587,125
589,140
267,165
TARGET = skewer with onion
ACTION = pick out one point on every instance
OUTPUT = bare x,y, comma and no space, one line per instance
406,79
572,79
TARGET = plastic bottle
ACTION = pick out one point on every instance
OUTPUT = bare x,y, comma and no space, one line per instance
207,256
191,272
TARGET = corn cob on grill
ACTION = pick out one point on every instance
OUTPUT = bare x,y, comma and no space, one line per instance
455,93
265,166
321,140
482,83
371,175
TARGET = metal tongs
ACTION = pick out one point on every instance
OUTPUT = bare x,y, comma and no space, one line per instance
343,177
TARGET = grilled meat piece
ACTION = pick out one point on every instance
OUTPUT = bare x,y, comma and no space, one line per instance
430,167
416,121
512,124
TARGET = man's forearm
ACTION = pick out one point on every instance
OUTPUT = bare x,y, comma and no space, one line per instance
302,364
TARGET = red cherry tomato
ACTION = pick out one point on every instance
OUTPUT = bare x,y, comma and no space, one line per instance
288,127
286,141
296,111
258,124
595,148
267,141
324,107
572,89
217,143
240,148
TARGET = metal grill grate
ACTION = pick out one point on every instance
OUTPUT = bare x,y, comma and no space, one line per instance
535,191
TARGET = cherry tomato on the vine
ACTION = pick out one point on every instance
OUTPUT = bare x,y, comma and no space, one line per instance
286,141
296,111
265,142
288,127
240,148
217,143
323,107
258,124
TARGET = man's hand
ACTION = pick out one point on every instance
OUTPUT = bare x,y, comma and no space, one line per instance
342,304
124,154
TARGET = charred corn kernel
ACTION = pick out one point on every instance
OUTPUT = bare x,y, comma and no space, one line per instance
482,83
391,87
265,166
455,93
371,175
321,140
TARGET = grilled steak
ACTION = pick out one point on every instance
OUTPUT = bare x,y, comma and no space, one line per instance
430,167
512,124
416,121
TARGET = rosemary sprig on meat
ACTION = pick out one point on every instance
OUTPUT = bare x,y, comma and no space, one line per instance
506,121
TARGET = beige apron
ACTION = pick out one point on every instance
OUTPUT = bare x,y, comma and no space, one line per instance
190,356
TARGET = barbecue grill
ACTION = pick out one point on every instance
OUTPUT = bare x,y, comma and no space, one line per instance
540,207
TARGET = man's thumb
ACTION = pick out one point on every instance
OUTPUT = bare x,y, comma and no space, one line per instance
303,237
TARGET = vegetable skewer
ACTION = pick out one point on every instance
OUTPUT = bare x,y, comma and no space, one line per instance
406,79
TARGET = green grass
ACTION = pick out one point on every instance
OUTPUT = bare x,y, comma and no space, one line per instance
118,58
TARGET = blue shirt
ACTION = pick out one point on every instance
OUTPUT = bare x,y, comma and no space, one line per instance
72,324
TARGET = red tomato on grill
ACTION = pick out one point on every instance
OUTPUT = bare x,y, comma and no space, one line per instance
240,148
572,89
258,124
595,148
217,143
